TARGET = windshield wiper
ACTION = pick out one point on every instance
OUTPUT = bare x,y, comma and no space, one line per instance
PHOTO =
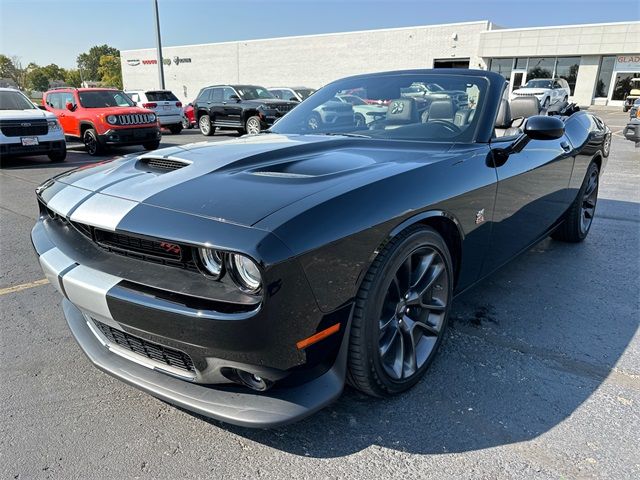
333,134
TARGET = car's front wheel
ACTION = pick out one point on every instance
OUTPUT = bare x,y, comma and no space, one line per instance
204,122
58,156
577,220
401,313
151,145
252,126
91,142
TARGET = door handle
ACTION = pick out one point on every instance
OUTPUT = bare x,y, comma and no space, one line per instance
565,146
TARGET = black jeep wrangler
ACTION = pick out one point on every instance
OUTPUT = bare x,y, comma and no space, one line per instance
245,108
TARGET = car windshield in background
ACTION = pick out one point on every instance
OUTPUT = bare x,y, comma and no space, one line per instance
105,98
389,106
304,92
538,84
14,101
252,93
161,97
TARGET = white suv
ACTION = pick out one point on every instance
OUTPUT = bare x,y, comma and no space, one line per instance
163,103
547,90
27,130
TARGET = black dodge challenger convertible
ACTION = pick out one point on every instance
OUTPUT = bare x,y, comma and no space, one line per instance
247,280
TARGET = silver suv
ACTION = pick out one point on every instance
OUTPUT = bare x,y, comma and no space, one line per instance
163,103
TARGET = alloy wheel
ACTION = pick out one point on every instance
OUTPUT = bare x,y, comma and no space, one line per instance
253,126
90,143
589,200
205,125
413,313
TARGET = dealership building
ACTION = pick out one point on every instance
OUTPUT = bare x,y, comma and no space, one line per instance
597,60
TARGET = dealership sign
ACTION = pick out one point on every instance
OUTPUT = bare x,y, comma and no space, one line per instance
629,63
133,62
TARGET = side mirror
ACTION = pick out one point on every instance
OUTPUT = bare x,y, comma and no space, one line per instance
42,107
542,127
69,106
234,97
294,99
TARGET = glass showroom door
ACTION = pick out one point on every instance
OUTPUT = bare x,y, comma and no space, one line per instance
518,79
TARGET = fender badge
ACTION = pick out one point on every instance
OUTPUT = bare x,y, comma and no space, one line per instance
480,216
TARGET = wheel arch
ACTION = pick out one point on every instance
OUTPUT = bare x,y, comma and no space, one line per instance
446,224
86,125
248,113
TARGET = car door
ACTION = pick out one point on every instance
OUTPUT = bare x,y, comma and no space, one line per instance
216,108
232,108
69,118
532,194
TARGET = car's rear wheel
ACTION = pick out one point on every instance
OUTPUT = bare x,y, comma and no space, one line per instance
401,313
58,156
186,124
252,125
577,220
175,129
91,142
204,122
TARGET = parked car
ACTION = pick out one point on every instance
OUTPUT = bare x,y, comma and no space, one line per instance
27,130
245,108
335,112
164,104
103,117
294,94
246,280
364,112
188,116
546,90
633,95
632,129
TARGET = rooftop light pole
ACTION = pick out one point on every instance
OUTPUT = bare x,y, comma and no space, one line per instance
159,46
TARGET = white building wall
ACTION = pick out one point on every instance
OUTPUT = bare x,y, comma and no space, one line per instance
310,61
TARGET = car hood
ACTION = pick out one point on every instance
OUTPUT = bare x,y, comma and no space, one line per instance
239,181
31,113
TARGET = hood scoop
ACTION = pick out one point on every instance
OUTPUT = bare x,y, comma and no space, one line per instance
159,164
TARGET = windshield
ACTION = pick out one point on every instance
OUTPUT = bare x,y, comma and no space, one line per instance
161,97
538,84
446,114
104,98
304,92
15,101
252,93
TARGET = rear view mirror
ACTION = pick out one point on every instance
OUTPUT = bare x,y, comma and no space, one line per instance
542,127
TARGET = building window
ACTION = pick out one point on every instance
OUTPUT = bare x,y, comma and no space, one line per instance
604,76
540,67
502,66
622,85
521,63
567,68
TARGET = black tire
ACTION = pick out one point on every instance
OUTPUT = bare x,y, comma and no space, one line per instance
59,156
366,367
186,124
175,129
625,109
204,123
579,217
92,143
151,145
253,126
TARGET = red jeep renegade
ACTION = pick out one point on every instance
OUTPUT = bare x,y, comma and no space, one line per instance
100,117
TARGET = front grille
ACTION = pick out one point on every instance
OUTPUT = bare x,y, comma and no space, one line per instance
527,94
22,128
163,163
284,108
153,351
135,119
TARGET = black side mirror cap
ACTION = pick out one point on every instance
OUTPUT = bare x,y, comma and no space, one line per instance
542,127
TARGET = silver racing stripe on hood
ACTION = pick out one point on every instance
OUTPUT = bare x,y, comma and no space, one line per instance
66,199
102,211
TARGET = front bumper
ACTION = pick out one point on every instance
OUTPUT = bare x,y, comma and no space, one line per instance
101,288
43,148
130,136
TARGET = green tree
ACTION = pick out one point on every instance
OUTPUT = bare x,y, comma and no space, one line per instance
53,72
110,71
72,78
11,68
89,62
37,80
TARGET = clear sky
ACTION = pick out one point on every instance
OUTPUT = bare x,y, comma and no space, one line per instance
45,31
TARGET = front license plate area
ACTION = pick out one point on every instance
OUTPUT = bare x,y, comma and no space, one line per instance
29,141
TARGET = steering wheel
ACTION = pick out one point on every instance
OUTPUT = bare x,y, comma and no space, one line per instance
452,127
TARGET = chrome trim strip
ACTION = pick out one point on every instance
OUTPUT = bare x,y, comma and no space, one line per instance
139,359
87,288
66,199
103,211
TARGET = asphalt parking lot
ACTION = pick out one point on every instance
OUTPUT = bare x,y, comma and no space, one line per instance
539,376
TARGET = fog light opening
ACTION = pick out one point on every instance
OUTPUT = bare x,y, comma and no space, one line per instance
253,381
